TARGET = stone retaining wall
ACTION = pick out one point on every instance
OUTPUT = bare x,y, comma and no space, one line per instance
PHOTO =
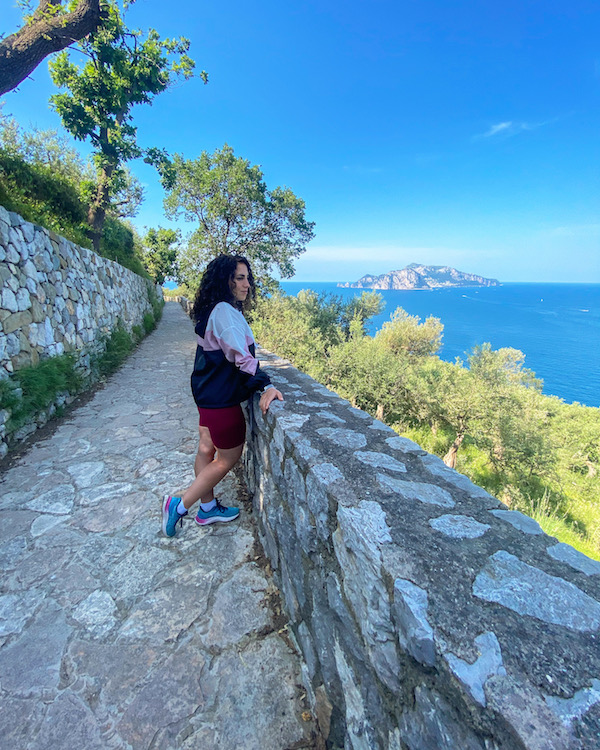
57,297
429,616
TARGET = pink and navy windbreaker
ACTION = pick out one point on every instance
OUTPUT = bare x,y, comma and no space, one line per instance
226,370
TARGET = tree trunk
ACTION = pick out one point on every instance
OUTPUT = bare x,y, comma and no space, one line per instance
97,209
379,412
450,457
23,51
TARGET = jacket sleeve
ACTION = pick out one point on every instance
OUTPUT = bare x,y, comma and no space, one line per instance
234,341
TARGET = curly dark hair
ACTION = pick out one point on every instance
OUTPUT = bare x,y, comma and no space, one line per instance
215,288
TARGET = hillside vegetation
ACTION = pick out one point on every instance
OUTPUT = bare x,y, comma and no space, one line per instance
485,416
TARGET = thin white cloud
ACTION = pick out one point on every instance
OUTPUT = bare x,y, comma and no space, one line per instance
499,128
509,128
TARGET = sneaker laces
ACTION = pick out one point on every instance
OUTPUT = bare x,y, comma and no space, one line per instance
219,507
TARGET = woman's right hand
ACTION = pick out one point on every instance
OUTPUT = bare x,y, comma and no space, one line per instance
267,397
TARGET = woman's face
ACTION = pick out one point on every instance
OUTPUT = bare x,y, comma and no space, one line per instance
239,284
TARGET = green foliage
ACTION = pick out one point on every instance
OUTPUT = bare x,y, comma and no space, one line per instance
360,309
160,257
235,213
33,389
149,323
488,419
43,179
120,69
118,346
43,197
405,333
118,244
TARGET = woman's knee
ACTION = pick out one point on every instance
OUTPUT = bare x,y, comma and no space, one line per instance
206,450
229,457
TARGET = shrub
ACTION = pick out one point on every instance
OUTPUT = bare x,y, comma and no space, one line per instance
33,389
149,322
118,345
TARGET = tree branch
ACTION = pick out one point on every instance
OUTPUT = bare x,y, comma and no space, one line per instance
23,51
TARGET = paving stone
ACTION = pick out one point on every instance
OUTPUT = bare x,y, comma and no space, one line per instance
243,717
68,724
42,524
87,474
519,521
474,676
17,609
344,438
380,461
173,694
31,664
530,591
238,608
424,493
458,526
567,554
20,719
104,622
569,709
96,613
185,603
57,501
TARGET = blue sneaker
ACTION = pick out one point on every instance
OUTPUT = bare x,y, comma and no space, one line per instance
170,515
219,514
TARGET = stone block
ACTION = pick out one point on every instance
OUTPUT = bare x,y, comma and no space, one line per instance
16,321
415,634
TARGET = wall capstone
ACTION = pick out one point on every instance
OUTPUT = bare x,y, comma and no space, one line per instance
428,614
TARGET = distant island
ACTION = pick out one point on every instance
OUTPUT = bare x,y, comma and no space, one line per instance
415,276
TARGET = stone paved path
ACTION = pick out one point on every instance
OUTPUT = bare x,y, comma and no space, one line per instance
111,635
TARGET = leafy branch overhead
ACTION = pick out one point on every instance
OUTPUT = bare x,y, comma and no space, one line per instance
234,212
50,28
120,68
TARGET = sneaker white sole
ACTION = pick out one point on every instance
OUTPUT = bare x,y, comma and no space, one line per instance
215,519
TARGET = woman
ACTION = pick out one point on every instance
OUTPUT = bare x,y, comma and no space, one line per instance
226,372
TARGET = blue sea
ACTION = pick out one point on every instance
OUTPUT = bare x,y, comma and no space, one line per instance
556,326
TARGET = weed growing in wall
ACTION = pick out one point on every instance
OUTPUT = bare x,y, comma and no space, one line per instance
33,389
118,346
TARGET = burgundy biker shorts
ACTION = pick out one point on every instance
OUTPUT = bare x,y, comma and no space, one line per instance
227,426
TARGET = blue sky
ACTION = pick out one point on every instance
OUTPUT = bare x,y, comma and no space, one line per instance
463,134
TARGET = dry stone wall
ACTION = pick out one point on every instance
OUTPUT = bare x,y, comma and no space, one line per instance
57,297
429,615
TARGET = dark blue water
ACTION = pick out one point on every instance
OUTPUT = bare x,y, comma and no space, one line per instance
556,326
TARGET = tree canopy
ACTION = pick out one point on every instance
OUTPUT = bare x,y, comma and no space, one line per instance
121,68
160,256
235,213
50,28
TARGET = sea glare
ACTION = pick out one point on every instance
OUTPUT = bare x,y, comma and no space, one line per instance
556,326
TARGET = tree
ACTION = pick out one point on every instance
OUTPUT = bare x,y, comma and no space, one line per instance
50,28
160,256
121,70
236,213
405,333
360,309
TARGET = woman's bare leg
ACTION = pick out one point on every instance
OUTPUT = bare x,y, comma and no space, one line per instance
204,457
211,475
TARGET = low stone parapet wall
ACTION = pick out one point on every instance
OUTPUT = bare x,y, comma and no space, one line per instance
57,297
429,615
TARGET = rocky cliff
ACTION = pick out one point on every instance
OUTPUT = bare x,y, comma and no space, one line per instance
416,276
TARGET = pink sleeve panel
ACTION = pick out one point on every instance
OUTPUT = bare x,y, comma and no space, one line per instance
228,331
